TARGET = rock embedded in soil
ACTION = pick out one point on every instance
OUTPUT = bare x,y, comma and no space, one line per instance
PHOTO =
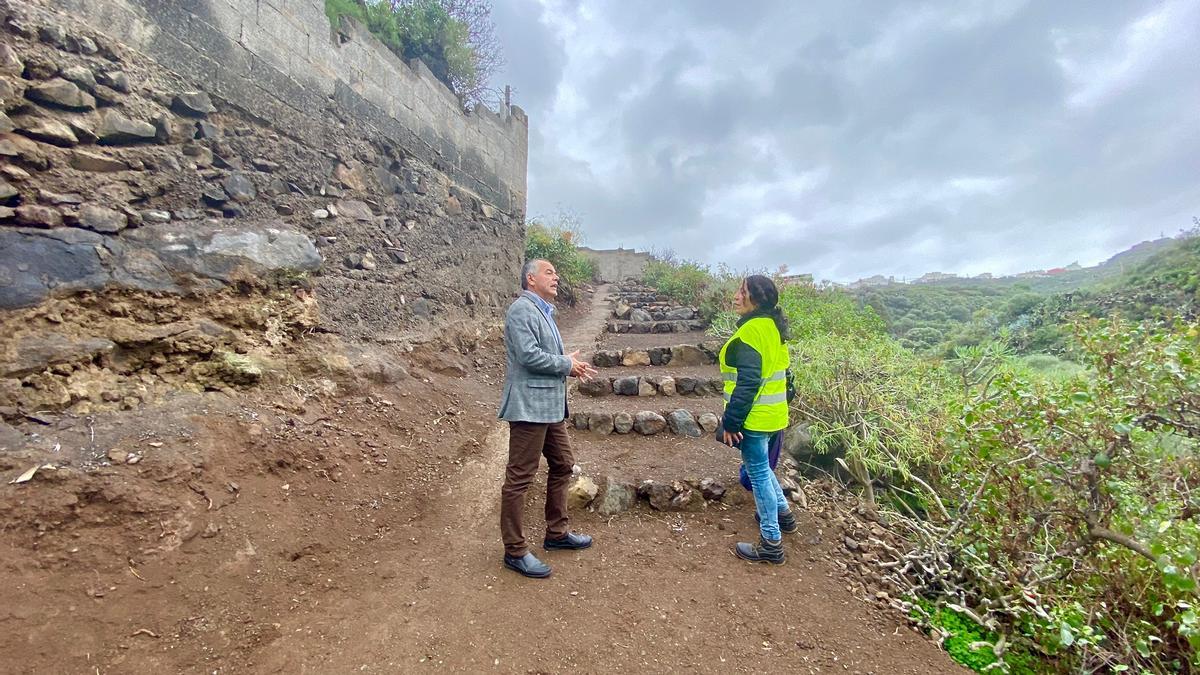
683,424
116,79
597,386
356,210
169,130
690,355
116,129
193,104
239,187
207,130
635,357
581,492
601,423
100,219
47,130
712,489
622,422
80,76
688,499
626,386
618,496
87,161
606,359
648,423
657,493
39,216
61,93
10,62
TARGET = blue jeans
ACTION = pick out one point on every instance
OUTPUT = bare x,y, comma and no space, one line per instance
769,501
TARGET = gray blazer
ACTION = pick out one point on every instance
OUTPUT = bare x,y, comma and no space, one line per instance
535,387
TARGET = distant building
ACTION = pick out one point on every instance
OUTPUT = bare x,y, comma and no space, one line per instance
985,275
1074,267
1035,274
1055,271
932,277
877,280
795,280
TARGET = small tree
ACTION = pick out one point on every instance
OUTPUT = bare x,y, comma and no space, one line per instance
456,39
481,56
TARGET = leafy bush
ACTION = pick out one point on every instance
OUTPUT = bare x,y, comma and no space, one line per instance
969,643
684,282
870,399
1049,366
558,245
458,46
1076,500
811,312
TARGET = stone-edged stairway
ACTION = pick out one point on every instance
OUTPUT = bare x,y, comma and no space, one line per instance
643,428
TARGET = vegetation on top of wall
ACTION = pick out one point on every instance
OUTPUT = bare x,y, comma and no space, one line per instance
454,38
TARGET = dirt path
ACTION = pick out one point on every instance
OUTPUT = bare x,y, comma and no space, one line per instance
584,332
658,592
360,534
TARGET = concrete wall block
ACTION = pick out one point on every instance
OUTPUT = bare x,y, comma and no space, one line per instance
272,21
209,40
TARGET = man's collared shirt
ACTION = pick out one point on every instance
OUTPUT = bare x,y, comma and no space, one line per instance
548,312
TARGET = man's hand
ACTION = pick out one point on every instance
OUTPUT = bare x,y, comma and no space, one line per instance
731,439
581,369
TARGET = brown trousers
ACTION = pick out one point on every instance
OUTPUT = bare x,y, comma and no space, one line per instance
527,442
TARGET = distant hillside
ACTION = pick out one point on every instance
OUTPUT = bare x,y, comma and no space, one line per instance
1150,279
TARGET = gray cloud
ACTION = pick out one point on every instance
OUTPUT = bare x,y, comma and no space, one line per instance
848,139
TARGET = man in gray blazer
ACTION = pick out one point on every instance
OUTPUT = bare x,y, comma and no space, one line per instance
534,404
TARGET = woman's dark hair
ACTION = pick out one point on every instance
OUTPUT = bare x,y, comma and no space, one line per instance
765,297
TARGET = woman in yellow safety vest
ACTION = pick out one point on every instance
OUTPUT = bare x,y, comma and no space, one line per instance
754,364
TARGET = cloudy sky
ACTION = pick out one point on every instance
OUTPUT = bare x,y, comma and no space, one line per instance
854,138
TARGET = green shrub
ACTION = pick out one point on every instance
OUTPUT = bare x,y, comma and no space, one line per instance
1079,496
1049,366
419,29
969,643
870,399
558,245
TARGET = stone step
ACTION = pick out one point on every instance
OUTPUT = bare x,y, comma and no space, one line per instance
655,326
645,386
637,297
613,494
654,313
703,354
677,421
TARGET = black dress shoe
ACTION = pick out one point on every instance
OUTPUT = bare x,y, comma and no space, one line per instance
527,565
569,541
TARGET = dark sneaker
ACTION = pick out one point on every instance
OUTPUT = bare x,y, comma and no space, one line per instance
570,541
527,565
787,522
764,551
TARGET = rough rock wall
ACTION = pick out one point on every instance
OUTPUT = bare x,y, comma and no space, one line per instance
150,187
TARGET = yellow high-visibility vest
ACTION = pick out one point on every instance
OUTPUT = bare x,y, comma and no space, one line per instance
770,410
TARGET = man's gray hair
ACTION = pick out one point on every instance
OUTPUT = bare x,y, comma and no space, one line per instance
530,267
